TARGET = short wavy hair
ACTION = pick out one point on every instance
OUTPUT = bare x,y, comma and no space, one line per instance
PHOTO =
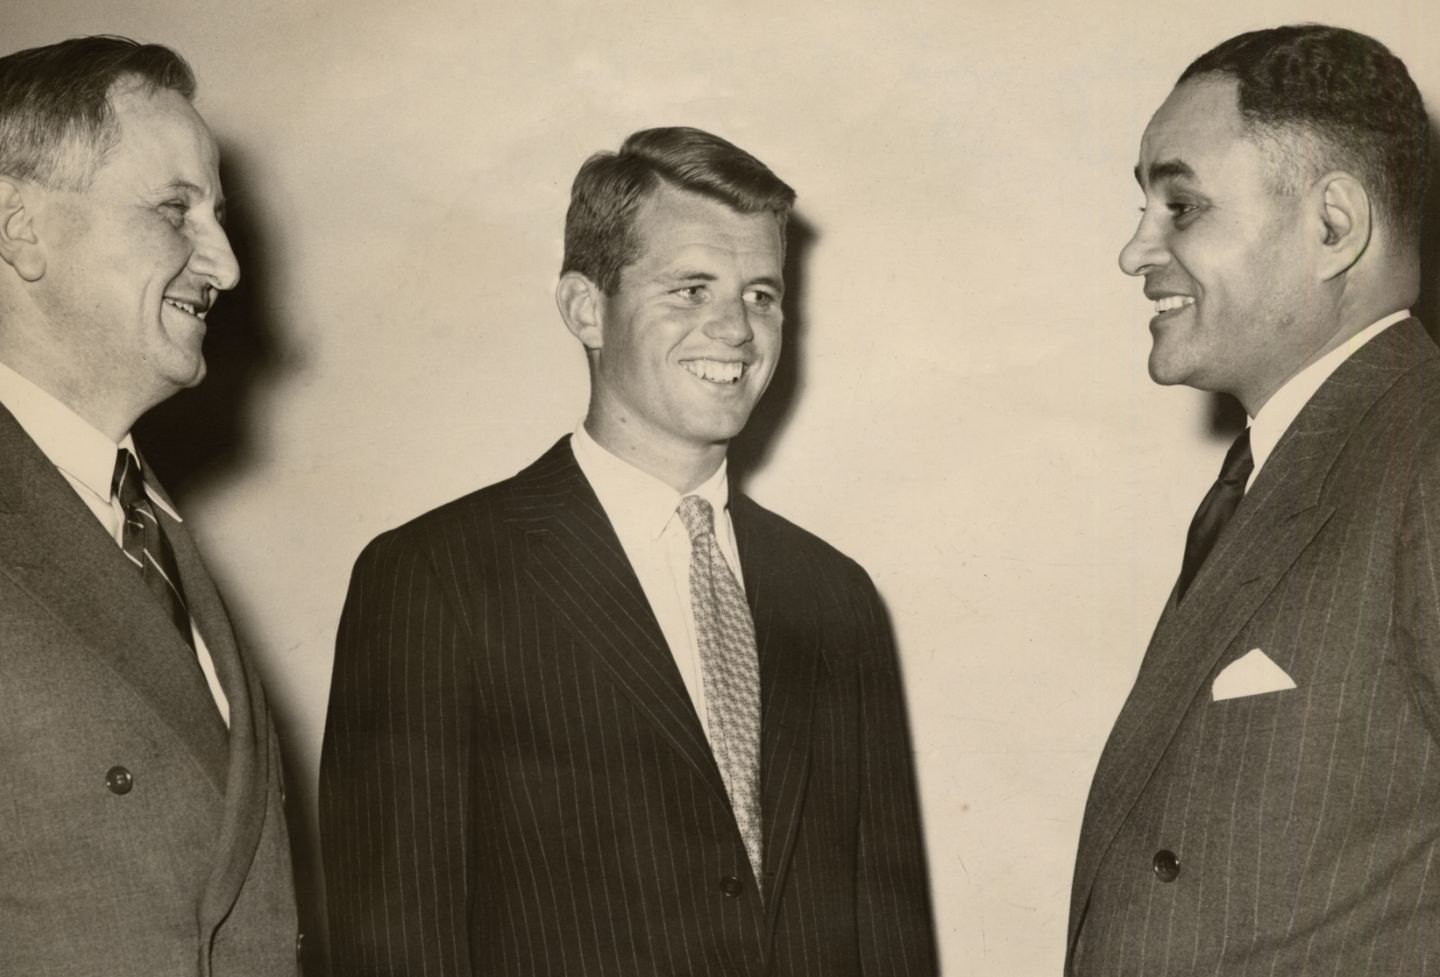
600,238
56,120
1324,98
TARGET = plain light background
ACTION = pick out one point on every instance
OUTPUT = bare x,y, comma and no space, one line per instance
967,411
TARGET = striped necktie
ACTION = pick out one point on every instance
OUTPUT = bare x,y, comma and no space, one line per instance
730,665
145,544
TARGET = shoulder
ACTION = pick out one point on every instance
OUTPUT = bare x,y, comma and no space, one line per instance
773,537
1405,418
478,520
1390,456
1418,421
1404,361
1380,402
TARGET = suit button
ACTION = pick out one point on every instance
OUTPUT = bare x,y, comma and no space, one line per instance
1167,866
119,781
731,886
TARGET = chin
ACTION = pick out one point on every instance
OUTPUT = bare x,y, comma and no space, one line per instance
710,437
1166,369
728,428
1164,379
189,374
1160,373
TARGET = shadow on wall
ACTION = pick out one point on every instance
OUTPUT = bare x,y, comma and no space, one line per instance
1428,307
1226,417
751,450
203,437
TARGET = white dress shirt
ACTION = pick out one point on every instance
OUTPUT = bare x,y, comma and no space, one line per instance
642,510
86,458
1286,403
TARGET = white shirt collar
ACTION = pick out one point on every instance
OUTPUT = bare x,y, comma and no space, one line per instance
71,443
639,505
1282,408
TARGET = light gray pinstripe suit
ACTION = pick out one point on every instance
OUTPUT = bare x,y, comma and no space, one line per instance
1305,822
515,781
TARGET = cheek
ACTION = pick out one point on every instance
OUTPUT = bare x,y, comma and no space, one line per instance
639,357
769,334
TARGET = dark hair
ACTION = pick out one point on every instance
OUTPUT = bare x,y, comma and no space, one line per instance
600,235
1348,99
56,121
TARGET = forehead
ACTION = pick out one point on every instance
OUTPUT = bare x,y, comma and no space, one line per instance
1195,129
674,224
161,138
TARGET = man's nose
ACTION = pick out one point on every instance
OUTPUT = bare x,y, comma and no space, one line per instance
731,323
1145,249
214,259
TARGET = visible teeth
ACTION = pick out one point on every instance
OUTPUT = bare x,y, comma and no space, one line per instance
184,307
1173,302
716,371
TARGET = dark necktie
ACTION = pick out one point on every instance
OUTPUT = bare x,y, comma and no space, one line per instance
145,544
730,666
1216,510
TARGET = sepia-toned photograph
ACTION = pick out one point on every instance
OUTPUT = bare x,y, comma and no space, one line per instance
754,490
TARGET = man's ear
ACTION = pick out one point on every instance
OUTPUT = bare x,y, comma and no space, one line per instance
582,306
19,244
1345,223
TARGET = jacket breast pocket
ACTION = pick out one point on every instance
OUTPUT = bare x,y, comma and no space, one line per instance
1305,709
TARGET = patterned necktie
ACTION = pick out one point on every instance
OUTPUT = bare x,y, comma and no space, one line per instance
731,669
145,544
1215,511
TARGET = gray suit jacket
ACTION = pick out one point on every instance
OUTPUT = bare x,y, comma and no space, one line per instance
1305,823
137,837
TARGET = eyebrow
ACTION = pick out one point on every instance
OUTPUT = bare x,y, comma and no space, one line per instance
1167,169
682,275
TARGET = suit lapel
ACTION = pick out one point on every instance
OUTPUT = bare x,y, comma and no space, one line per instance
787,637
247,771
53,547
576,561
1280,515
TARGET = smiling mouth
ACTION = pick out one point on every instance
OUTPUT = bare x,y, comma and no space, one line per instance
1172,302
716,371
189,308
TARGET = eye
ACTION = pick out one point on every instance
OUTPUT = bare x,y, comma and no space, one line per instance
761,298
1181,211
175,211
693,294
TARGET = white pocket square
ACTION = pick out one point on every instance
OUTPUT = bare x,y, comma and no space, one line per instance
1253,674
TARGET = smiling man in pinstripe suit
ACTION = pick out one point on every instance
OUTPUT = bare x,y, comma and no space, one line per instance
611,717
1269,799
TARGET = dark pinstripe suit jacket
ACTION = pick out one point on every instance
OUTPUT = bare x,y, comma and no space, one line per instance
515,781
188,871
1306,822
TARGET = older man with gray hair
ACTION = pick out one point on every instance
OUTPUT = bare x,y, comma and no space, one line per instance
141,829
